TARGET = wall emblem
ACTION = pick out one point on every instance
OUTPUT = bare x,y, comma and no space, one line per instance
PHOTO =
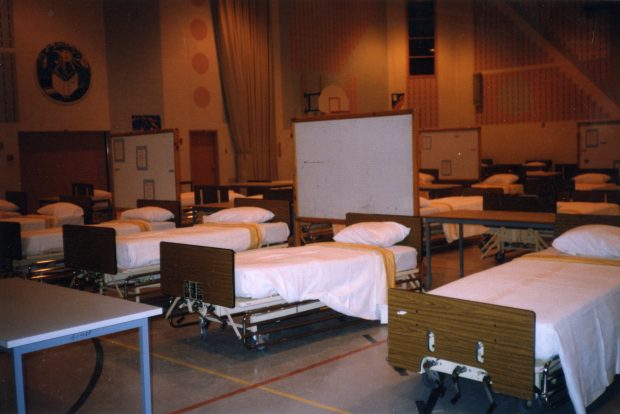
62,72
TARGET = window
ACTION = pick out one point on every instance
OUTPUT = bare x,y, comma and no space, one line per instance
421,22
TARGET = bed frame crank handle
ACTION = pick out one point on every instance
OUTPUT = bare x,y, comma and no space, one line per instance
488,390
455,381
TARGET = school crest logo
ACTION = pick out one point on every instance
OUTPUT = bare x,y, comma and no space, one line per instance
62,72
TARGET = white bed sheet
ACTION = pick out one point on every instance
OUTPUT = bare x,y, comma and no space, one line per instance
506,188
142,249
49,241
577,310
585,207
350,281
451,231
31,222
8,214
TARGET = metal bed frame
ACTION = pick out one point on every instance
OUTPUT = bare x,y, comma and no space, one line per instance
438,336
201,280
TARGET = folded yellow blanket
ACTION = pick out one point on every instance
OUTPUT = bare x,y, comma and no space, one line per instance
572,259
388,258
253,228
142,225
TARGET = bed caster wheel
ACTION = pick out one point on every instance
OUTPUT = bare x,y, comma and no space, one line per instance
204,329
259,341
530,406
500,257
431,379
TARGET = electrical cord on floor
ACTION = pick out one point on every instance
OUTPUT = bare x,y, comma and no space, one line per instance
94,378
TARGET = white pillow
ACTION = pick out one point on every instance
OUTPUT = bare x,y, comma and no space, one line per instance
148,213
502,179
535,164
8,206
424,202
61,209
592,178
239,215
597,240
376,233
101,194
425,178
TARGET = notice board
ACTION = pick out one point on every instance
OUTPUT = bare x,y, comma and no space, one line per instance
144,167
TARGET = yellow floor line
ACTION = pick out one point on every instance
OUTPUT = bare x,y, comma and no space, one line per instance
230,378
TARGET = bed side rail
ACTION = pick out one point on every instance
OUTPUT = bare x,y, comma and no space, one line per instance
206,274
90,248
456,329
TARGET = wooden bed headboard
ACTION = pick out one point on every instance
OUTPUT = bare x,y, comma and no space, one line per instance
565,222
414,239
198,272
280,208
172,205
90,248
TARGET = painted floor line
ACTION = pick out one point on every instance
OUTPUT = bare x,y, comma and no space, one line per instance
248,385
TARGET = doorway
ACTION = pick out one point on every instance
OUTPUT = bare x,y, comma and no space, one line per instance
203,157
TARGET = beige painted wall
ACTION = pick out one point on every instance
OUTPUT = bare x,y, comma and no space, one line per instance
180,81
38,23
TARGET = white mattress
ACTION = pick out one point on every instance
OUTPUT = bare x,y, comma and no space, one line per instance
49,241
8,214
583,207
350,281
577,310
507,188
142,249
451,231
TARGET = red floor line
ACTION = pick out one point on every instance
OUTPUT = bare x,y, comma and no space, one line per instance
277,378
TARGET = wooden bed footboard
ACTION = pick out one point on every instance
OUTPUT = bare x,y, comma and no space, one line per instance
457,327
206,274
90,248
10,241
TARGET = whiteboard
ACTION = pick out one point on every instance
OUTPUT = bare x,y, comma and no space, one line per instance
455,153
355,164
599,144
143,166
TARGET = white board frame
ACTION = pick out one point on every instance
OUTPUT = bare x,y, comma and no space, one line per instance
457,147
599,144
363,163
144,165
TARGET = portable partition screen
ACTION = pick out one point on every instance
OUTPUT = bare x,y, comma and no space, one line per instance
358,163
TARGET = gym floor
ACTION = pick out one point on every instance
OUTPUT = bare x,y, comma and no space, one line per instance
339,371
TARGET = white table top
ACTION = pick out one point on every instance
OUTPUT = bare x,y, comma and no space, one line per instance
32,312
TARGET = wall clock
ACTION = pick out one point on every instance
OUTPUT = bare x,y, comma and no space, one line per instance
62,72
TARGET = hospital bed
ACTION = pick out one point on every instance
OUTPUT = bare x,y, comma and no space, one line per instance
508,177
448,230
118,262
540,328
43,248
260,294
